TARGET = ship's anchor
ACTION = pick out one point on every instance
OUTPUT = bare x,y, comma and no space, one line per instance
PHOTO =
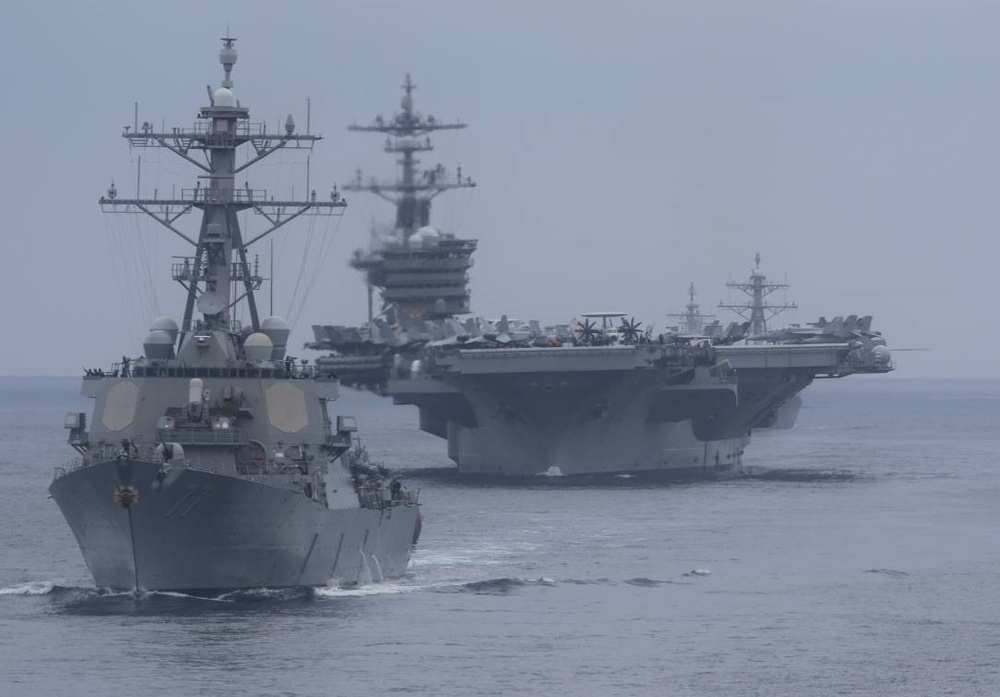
125,496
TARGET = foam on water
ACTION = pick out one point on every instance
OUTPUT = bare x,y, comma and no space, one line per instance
368,590
183,596
32,588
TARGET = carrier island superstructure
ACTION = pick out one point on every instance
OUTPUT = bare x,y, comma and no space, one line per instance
420,271
210,462
595,395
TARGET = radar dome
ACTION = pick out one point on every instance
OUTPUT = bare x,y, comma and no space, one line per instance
276,328
274,322
425,236
165,324
158,344
223,97
258,347
227,55
882,356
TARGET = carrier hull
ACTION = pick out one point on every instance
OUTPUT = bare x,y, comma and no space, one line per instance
617,446
576,411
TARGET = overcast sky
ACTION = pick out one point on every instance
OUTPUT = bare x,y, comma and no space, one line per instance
622,150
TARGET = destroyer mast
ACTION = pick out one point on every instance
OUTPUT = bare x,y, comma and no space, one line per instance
692,321
215,282
758,311
421,272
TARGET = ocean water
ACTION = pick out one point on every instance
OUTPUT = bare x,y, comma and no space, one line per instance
860,555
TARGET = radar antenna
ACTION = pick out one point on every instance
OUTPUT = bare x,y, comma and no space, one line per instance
691,319
418,279
758,311
212,276
408,133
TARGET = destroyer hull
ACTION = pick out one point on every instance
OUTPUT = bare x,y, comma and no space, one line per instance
196,530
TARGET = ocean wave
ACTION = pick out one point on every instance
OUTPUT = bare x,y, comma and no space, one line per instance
31,588
891,573
507,584
60,590
495,586
177,595
644,582
267,595
371,589
97,602
698,572
801,475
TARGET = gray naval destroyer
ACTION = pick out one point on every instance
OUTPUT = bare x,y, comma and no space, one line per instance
594,395
210,462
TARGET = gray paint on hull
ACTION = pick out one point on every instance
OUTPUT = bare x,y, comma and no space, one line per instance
579,422
669,448
211,531
587,411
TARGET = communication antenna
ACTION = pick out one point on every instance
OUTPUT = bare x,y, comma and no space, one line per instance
758,311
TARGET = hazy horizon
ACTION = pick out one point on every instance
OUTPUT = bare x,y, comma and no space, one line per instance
622,151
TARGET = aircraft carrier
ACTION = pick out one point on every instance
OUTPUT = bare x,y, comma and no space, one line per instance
597,394
210,462
611,401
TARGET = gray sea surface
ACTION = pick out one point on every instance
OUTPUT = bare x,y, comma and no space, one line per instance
859,555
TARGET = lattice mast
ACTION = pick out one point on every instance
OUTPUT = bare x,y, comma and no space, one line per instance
691,319
411,193
758,311
218,275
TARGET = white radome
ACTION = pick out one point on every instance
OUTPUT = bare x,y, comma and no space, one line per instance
223,97
258,347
